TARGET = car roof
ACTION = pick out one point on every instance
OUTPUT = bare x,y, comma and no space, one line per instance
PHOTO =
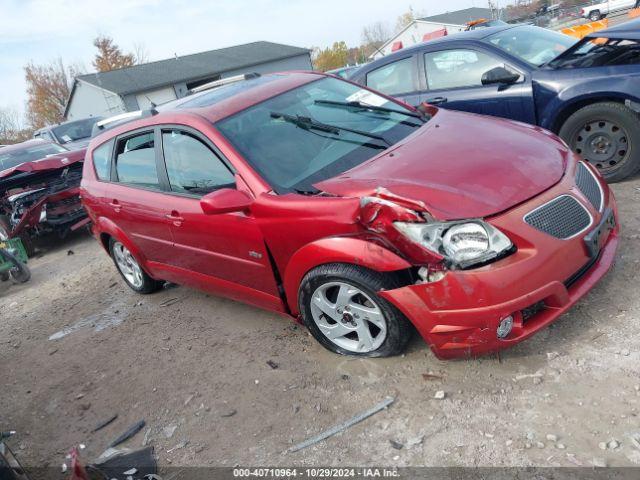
476,34
29,143
628,30
226,100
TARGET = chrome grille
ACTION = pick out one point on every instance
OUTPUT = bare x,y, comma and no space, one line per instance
589,186
563,217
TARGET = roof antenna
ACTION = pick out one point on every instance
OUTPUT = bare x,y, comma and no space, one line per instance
152,106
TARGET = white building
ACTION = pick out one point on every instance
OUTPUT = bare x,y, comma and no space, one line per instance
415,32
135,88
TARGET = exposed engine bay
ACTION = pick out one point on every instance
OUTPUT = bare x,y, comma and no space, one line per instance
41,201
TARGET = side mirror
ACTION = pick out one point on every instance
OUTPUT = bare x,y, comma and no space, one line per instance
225,200
499,75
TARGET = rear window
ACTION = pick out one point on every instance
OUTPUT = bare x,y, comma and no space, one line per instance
136,161
394,78
102,161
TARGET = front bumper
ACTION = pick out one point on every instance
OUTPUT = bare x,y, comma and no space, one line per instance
458,315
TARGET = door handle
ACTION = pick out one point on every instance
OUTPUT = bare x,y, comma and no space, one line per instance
116,205
436,100
175,218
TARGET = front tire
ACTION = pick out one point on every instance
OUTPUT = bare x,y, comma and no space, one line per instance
131,271
595,16
607,135
341,309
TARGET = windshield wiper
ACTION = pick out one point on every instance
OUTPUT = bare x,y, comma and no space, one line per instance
373,108
307,123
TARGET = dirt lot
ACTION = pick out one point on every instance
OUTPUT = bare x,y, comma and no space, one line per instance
195,368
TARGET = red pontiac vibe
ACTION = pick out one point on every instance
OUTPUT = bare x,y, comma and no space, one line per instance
311,196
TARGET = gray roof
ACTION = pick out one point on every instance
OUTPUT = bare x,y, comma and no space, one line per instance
190,67
460,17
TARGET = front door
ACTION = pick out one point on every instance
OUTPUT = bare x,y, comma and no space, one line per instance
229,247
398,79
454,81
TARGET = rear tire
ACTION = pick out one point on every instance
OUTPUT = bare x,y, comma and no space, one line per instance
595,15
607,135
342,330
131,271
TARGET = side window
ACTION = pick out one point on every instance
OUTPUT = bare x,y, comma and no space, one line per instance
136,161
102,161
394,78
191,166
457,68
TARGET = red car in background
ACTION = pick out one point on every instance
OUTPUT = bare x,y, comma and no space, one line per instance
326,201
39,190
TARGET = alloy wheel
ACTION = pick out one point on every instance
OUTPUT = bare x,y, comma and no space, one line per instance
604,144
128,265
348,317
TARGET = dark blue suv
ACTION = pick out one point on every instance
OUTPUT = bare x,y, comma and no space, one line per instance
587,92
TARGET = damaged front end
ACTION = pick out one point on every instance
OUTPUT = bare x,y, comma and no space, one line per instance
473,291
39,201
428,243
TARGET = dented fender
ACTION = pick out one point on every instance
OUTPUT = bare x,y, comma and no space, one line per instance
355,251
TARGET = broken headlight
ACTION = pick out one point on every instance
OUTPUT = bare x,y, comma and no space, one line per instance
462,244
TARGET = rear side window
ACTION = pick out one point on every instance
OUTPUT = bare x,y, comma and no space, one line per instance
102,161
191,165
136,161
394,78
457,68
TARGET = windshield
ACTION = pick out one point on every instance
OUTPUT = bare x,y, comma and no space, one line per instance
72,131
29,154
600,52
534,45
288,139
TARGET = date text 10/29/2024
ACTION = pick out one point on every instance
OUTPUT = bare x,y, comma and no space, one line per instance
315,473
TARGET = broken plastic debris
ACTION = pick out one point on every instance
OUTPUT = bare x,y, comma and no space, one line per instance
130,432
343,426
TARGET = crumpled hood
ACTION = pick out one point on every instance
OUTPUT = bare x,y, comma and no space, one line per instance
461,165
53,162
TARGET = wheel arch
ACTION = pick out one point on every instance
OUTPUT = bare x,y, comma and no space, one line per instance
107,229
576,104
346,250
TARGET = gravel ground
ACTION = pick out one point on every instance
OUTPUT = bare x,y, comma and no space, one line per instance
77,346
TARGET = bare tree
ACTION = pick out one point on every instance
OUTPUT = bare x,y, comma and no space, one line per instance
375,33
12,129
140,53
374,36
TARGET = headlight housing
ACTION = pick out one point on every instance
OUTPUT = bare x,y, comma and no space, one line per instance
462,244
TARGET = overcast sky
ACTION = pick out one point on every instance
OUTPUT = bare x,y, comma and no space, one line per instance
42,30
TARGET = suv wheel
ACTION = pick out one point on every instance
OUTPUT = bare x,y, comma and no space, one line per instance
607,135
133,274
595,15
342,311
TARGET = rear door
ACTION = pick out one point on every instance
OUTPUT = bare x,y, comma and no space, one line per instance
399,78
134,197
453,78
227,247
